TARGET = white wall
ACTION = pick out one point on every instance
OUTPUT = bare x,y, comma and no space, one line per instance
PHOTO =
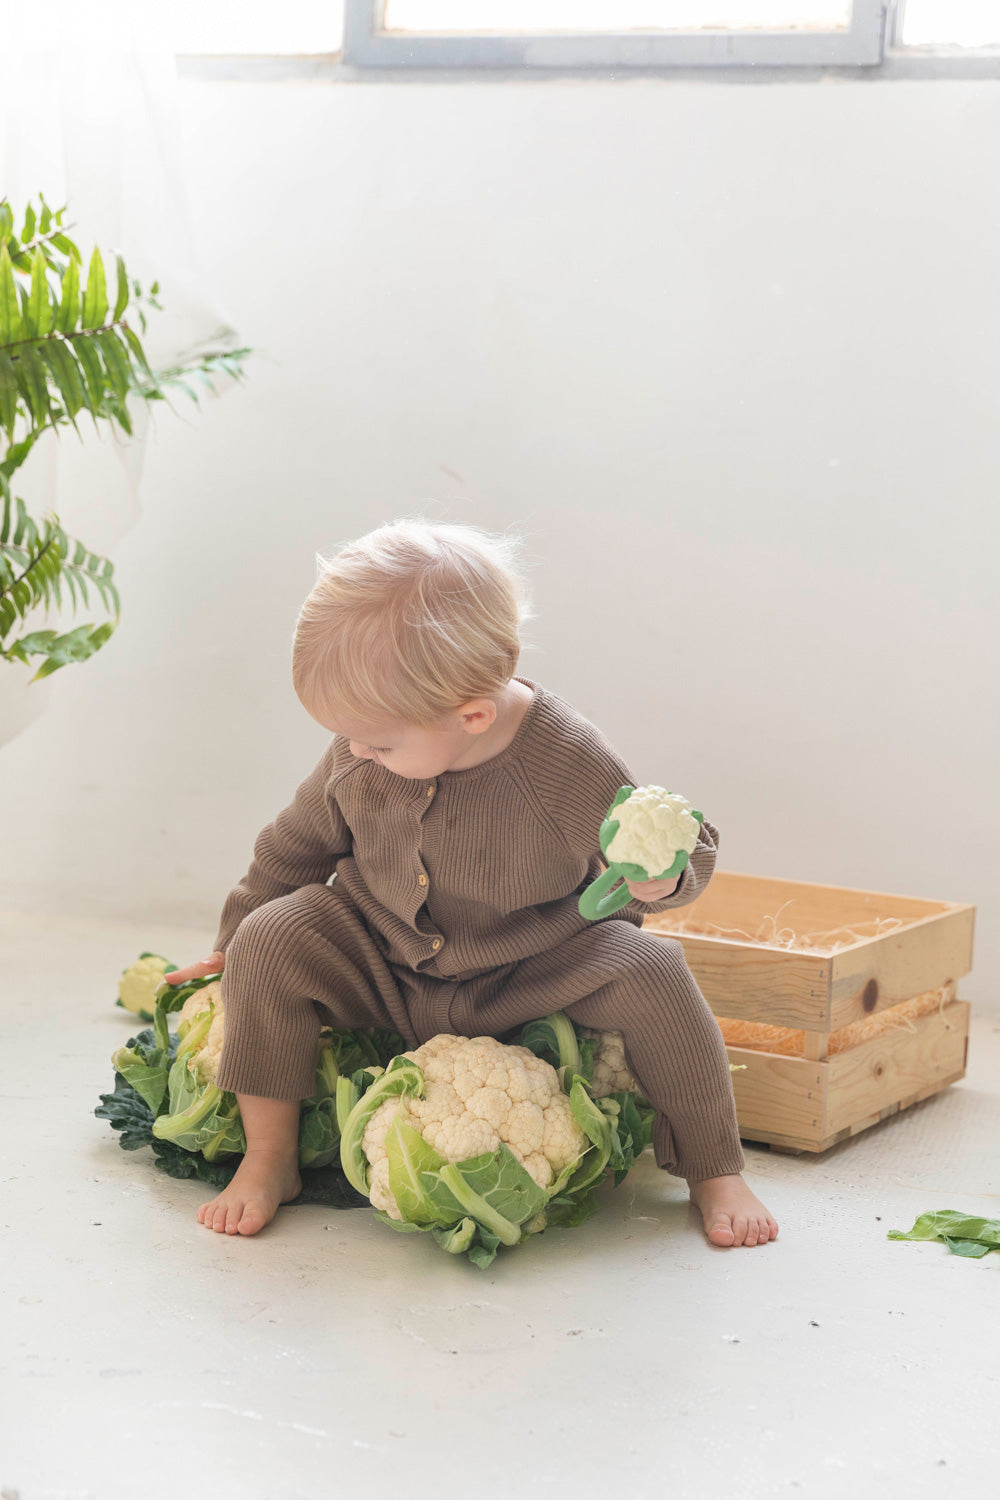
727,353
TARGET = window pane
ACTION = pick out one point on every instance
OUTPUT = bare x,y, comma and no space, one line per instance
462,17
960,23
248,26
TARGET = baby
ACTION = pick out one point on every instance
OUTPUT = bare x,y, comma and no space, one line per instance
458,807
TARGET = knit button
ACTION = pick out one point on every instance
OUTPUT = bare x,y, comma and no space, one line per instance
430,791
436,944
422,879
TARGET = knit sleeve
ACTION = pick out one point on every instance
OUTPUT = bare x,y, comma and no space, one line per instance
597,772
299,847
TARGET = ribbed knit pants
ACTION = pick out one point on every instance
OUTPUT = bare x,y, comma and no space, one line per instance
308,959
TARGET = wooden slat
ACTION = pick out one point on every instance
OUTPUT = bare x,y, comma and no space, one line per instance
756,983
814,990
870,976
796,1147
892,1067
744,901
779,1097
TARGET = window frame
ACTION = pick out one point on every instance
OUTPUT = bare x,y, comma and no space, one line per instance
357,62
368,45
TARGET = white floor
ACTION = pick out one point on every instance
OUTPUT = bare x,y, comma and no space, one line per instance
143,1355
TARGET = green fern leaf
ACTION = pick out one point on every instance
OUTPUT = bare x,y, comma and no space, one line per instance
66,375
39,303
121,301
8,394
34,386
68,313
116,361
93,373
11,322
95,298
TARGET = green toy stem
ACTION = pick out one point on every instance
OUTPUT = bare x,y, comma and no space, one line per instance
596,903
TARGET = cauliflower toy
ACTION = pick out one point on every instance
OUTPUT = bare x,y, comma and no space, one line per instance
648,834
475,1141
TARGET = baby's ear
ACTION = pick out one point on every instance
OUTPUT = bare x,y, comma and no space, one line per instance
478,714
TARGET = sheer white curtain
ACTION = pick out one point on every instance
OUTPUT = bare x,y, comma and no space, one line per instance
89,116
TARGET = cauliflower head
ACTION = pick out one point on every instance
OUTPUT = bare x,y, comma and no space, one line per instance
479,1093
654,826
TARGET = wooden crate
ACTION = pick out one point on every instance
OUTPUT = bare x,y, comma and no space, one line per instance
786,953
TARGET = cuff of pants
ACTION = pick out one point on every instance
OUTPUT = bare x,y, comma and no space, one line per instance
276,1078
720,1160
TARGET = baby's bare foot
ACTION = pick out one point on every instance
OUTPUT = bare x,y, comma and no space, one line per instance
733,1215
259,1184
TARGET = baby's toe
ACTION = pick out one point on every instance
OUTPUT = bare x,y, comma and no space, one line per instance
720,1231
253,1218
739,1229
234,1214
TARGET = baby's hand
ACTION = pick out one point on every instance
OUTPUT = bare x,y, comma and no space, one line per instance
213,964
652,890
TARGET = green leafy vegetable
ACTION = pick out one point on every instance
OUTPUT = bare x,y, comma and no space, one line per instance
166,1097
393,1129
968,1235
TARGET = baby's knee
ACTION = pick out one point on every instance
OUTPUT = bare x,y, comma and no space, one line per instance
660,976
266,933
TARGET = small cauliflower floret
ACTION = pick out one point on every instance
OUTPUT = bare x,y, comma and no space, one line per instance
373,1145
537,1070
611,1071
379,1191
477,1093
561,1135
139,982
464,1136
491,1105
198,1003
654,825
524,1124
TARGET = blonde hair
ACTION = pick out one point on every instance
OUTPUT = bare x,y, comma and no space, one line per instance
410,621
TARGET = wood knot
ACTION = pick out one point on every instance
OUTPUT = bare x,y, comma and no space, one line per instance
869,996
879,1070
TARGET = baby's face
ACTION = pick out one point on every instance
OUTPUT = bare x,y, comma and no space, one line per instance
411,751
